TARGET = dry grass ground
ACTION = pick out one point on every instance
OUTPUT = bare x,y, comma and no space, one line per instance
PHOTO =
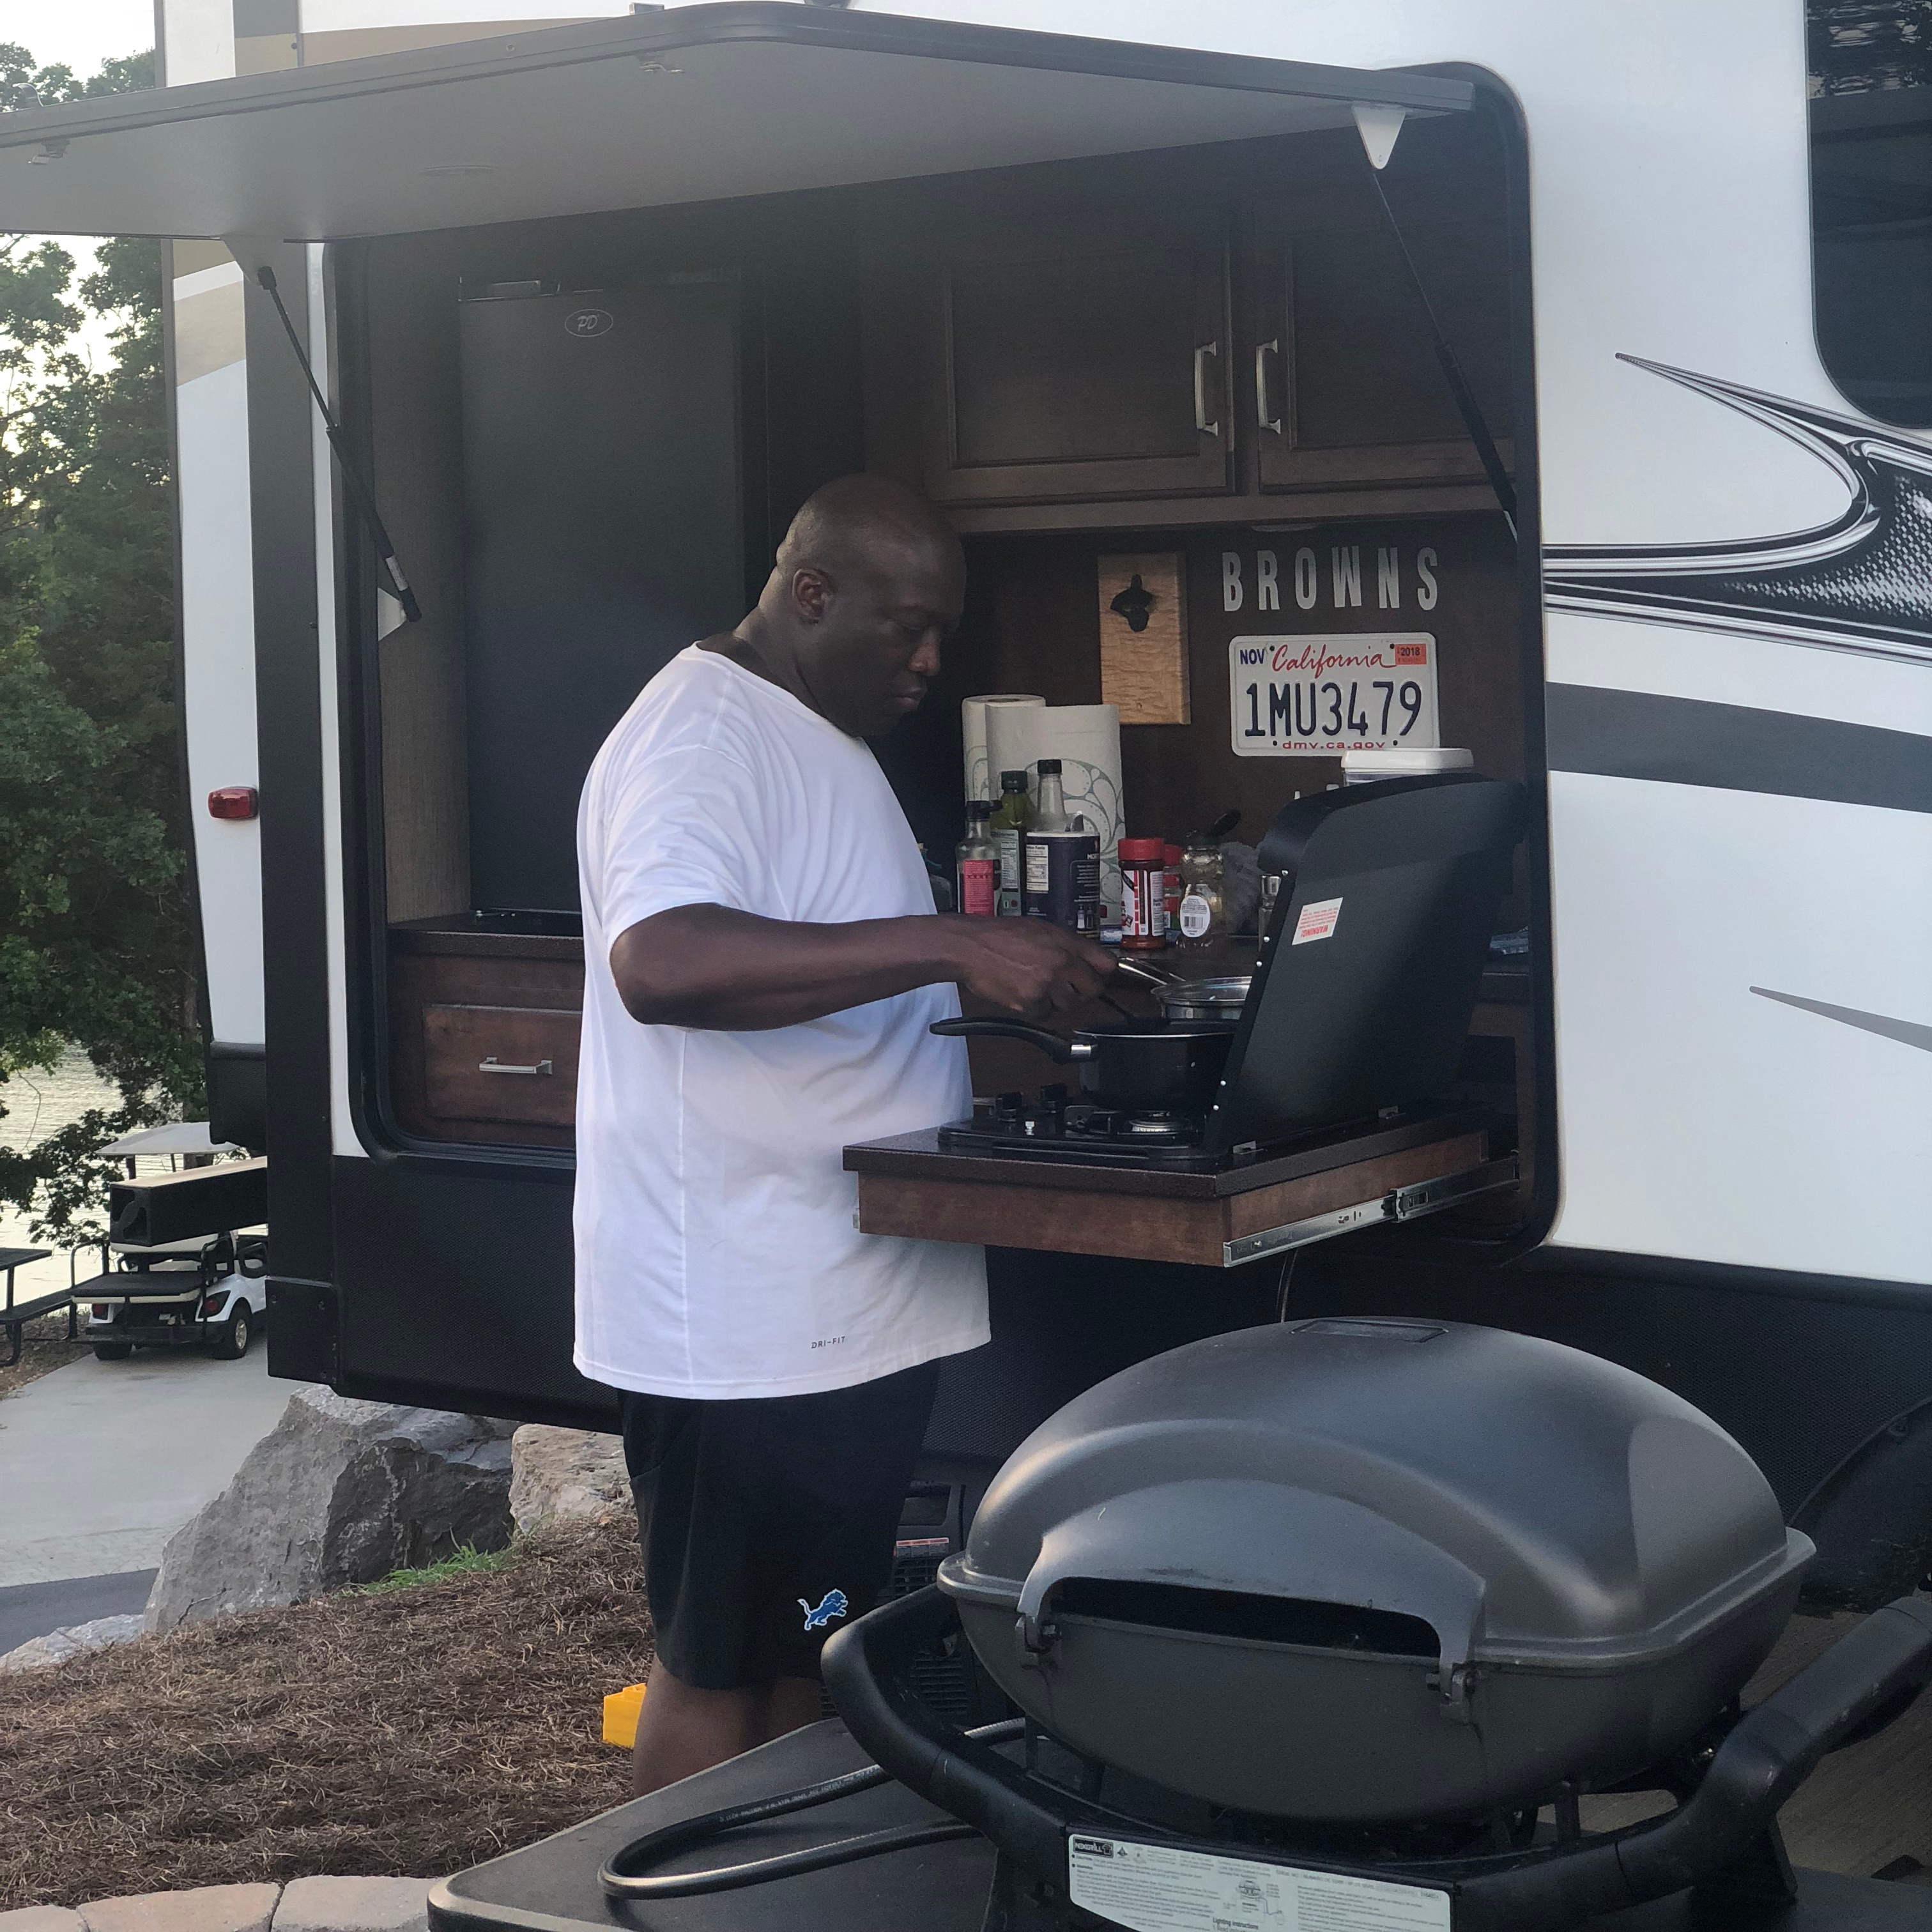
413,1731
43,1348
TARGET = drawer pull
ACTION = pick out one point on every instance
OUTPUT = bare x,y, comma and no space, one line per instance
493,1065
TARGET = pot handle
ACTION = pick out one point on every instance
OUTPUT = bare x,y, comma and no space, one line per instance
1064,1052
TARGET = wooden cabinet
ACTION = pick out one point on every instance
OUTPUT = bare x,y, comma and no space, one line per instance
1187,345
1345,386
484,1028
1049,364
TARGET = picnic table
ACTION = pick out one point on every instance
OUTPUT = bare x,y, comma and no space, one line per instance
15,1315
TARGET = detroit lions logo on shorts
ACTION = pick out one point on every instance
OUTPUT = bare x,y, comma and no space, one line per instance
834,1605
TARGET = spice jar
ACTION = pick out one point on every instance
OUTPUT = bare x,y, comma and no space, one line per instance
1204,915
1172,854
1143,895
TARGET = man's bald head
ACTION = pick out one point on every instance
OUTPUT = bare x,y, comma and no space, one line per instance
869,582
857,519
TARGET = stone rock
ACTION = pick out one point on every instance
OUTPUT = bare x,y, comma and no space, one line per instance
353,1905
339,1491
209,1908
566,1475
57,1646
42,1918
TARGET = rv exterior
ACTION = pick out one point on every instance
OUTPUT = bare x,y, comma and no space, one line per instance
598,304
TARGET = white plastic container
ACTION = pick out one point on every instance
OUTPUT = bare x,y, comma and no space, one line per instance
1418,761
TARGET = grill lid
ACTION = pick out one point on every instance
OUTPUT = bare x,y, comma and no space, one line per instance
1534,1505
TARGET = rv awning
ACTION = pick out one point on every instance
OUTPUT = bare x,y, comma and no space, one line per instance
696,104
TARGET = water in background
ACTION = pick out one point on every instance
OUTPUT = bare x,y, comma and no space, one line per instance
39,1104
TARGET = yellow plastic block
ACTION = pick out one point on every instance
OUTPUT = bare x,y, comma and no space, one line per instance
622,1710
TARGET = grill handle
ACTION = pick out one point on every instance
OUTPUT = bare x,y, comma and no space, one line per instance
865,1666
1864,1681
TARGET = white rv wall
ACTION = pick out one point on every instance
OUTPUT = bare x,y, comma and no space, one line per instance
1671,219
211,402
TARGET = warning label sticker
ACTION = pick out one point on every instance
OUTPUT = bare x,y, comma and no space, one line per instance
1163,1888
1317,921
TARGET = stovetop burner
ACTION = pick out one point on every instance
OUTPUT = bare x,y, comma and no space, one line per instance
1056,1128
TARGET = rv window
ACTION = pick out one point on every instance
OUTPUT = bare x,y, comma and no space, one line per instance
1871,202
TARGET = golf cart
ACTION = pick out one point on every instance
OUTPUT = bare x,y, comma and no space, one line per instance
186,1257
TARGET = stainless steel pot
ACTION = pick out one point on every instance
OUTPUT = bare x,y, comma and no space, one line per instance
1216,999
1219,999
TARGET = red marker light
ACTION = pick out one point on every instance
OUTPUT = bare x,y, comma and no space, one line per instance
234,801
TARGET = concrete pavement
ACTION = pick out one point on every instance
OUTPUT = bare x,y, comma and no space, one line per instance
100,1462
28,1610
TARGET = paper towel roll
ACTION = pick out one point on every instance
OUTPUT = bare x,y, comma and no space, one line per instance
1086,739
982,777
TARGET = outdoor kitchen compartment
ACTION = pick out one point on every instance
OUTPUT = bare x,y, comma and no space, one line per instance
1352,1570
605,530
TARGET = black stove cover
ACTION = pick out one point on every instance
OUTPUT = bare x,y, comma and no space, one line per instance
1369,971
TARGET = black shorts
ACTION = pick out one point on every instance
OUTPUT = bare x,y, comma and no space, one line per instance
767,1524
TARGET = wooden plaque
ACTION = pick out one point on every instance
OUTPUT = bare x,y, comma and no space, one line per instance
1144,637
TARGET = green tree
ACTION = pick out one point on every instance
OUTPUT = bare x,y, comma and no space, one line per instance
96,926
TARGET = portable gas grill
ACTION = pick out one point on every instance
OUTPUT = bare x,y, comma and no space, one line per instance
1326,1627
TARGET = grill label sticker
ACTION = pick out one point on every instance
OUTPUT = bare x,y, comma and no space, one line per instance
1163,1888
1317,921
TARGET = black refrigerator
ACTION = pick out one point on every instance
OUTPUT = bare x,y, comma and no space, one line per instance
604,512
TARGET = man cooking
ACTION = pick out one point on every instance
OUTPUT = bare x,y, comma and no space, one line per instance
762,964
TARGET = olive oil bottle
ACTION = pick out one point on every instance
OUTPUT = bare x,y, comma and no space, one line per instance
1011,817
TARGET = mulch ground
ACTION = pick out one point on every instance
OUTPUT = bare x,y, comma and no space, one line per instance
43,1348
415,1731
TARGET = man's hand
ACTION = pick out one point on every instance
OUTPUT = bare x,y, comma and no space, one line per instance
1028,966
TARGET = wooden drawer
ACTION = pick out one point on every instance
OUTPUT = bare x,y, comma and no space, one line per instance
514,1064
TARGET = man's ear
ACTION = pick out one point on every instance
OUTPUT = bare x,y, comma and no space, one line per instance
811,593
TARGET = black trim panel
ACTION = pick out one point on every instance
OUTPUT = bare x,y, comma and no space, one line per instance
456,1292
1634,734
1854,1291
288,709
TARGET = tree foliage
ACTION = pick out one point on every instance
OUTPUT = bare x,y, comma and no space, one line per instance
96,946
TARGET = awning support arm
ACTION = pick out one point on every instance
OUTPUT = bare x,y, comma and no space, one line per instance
365,500
1466,405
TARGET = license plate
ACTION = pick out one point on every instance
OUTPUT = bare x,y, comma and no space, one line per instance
1166,1888
1320,696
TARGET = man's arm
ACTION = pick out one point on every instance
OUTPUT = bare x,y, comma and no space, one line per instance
709,966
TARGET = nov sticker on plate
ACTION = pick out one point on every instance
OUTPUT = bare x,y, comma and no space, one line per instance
1163,1888
1317,921
1320,696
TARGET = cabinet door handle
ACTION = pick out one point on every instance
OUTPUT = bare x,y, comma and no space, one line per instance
493,1065
1261,349
1200,355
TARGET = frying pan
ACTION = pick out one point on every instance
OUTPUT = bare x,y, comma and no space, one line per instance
1137,1064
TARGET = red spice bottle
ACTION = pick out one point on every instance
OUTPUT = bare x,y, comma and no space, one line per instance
1143,896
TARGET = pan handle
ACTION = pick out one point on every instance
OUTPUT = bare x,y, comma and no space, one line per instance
1064,1052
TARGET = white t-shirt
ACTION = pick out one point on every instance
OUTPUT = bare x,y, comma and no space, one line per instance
716,1254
